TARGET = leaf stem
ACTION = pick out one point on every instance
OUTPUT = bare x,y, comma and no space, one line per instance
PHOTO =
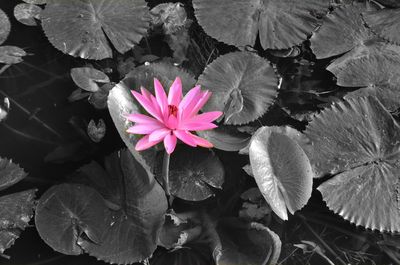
165,177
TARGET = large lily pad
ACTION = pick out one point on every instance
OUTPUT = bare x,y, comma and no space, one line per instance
280,24
194,173
84,28
385,23
133,233
235,242
67,212
341,31
16,210
243,84
124,230
10,173
5,26
281,169
358,141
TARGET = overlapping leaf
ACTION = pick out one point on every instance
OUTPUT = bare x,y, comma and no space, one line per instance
124,230
385,23
243,84
10,173
239,243
281,169
27,14
84,28
226,138
358,142
195,173
5,26
279,24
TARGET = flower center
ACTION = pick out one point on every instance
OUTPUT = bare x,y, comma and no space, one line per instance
173,110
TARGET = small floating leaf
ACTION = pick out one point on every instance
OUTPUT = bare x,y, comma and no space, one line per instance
97,131
279,24
243,84
85,28
5,26
281,169
10,173
27,14
88,77
357,141
235,242
11,54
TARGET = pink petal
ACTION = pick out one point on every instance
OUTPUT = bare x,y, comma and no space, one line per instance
189,102
145,93
191,126
145,143
147,105
141,118
161,96
175,92
185,137
200,103
159,134
170,143
172,122
144,128
202,142
206,117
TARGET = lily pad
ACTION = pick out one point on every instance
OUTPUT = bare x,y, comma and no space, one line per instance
235,242
391,3
357,141
97,131
85,28
226,138
388,95
68,211
10,173
16,210
133,232
194,173
372,64
36,2
27,14
5,26
279,24
385,23
243,84
11,54
88,77
281,169
341,31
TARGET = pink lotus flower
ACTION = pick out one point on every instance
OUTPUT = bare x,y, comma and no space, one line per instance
172,117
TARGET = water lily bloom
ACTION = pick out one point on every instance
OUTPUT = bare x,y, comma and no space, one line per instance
172,117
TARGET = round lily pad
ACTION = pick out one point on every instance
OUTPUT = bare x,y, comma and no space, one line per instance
357,141
27,13
243,84
194,173
385,23
5,26
85,28
281,169
280,24
67,211
340,32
